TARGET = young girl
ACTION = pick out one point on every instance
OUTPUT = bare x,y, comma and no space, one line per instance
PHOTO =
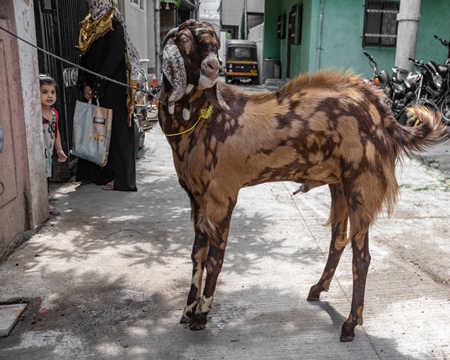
50,118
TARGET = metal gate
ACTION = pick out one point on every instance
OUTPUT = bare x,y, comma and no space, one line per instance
57,29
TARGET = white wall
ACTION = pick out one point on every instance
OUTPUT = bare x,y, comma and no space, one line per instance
136,21
232,10
257,35
29,78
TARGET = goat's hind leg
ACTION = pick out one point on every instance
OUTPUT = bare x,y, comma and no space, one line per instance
339,240
360,262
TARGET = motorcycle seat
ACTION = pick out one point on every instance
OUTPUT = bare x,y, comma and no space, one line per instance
441,69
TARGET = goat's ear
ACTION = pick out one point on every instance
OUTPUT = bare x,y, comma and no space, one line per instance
174,70
220,99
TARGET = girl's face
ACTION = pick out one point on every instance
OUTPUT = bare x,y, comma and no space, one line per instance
48,95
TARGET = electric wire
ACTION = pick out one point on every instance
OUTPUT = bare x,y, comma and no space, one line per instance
148,92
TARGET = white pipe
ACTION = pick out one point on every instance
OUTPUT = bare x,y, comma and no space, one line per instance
408,22
157,41
319,40
245,21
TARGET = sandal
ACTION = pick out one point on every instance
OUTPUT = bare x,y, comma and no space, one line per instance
54,211
109,186
85,182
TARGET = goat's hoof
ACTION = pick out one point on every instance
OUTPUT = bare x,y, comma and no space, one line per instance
194,326
347,338
199,321
313,297
348,332
185,320
314,293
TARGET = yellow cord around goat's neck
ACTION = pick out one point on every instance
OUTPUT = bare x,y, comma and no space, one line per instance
204,114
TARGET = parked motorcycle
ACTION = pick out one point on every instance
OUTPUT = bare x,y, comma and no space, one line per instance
404,84
140,111
146,109
443,100
421,88
428,86
380,79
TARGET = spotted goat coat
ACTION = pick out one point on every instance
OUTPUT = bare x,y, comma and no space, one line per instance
320,129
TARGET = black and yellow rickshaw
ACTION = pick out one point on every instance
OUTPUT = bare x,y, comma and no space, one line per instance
241,61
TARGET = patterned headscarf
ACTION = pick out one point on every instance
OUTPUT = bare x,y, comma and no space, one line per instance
96,24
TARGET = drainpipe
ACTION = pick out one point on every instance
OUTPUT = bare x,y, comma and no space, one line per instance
245,21
319,40
408,23
157,5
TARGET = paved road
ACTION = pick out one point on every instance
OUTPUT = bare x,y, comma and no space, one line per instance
108,279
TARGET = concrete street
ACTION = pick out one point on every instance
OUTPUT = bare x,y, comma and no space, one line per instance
108,279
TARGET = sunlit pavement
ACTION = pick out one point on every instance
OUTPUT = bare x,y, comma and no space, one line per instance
108,279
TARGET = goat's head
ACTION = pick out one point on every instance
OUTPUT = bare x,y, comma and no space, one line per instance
190,60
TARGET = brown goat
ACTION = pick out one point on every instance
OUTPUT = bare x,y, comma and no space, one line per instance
323,129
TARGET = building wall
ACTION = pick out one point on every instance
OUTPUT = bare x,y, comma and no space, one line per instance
341,37
136,20
256,34
435,15
23,188
337,43
35,182
231,13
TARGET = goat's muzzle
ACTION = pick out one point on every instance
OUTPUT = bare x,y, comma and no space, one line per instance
209,72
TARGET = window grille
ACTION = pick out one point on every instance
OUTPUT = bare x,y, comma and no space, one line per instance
380,23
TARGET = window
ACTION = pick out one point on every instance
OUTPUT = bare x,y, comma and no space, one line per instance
281,27
380,23
139,3
242,53
295,24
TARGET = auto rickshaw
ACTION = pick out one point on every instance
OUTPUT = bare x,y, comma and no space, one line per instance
241,62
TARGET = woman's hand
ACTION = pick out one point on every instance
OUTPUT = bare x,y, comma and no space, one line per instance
87,92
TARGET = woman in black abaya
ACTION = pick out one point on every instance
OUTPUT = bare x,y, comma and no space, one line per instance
107,50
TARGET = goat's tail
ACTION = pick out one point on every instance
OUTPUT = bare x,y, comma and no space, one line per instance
429,129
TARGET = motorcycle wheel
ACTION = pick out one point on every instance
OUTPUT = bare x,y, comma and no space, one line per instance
403,118
444,108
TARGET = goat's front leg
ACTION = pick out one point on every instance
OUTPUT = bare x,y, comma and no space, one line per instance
218,226
339,222
212,225
199,254
213,265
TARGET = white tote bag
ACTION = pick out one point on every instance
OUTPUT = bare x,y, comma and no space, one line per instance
91,132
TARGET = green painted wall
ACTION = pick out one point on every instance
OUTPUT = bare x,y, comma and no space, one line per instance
341,38
300,54
271,43
434,20
341,42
